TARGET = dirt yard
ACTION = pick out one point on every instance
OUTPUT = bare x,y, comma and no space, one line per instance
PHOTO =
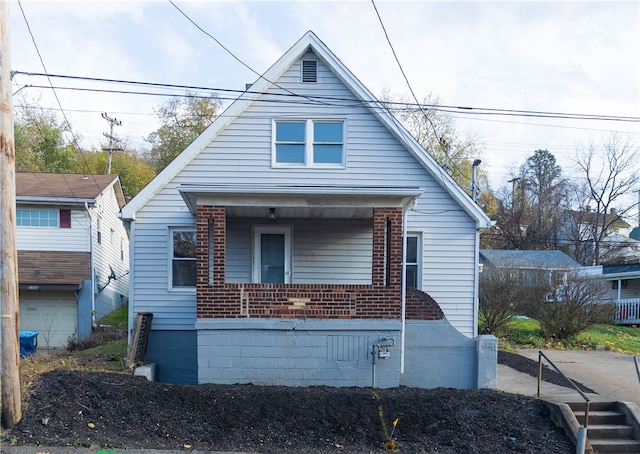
110,410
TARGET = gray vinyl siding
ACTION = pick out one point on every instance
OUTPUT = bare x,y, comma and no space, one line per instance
241,153
325,251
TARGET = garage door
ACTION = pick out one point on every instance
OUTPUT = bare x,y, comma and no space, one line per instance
53,314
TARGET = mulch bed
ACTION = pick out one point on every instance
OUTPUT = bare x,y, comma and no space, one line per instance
110,411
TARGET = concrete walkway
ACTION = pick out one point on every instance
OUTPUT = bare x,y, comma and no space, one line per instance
611,375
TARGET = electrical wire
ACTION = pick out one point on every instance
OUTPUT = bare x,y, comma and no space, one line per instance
392,105
44,67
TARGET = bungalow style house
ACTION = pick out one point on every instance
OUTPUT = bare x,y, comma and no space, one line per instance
73,253
528,263
270,251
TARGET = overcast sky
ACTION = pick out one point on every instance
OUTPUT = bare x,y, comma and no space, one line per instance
578,57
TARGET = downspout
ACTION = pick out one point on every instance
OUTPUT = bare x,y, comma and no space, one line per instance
476,279
93,271
403,284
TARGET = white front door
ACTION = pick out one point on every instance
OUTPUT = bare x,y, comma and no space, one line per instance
272,255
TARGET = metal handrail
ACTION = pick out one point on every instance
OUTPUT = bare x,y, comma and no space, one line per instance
584,396
635,361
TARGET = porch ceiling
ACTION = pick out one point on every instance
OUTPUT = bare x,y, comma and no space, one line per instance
299,201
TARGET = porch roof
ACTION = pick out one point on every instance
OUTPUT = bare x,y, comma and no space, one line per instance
299,200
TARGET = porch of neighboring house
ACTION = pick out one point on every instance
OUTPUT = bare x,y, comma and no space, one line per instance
625,291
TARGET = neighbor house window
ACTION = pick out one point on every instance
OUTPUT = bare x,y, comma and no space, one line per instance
412,267
65,219
99,230
309,143
183,258
37,218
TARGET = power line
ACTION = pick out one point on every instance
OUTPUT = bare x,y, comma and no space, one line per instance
392,105
44,67
261,76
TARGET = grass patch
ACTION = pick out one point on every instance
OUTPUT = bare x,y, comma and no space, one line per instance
119,317
526,333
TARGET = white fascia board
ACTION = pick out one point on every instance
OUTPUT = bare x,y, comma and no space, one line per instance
401,134
236,108
299,195
54,200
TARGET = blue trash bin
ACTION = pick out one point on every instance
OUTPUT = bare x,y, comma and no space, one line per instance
28,343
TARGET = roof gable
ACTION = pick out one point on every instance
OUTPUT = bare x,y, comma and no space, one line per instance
65,187
538,259
308,43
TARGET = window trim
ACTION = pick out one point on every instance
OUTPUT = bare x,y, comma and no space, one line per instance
309,143
53,213
170,258
258,230
418,263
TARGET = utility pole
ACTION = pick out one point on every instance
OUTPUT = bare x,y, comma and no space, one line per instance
11,404
112,122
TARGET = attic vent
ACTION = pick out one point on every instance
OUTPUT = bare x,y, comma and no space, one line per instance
309,71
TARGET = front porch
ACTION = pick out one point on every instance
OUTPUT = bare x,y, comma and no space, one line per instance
321,253
627,311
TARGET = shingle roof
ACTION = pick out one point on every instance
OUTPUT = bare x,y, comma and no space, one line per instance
64,185
547,259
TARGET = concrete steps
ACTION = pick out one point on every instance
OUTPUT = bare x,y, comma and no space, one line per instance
612,429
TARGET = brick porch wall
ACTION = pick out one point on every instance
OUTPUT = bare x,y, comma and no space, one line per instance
381,300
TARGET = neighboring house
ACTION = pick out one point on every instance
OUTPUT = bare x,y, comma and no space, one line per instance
270,250
71,244
528,264
624,281
580,227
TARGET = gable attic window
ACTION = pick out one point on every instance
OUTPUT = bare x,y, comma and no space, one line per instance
309,71
318,143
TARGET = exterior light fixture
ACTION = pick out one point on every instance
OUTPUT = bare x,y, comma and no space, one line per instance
272,217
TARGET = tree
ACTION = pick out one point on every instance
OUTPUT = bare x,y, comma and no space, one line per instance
182,120
134,172
530,207
434,129
40,142
611,172
511,215
544,190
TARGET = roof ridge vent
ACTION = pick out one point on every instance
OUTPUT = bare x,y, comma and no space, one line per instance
309,71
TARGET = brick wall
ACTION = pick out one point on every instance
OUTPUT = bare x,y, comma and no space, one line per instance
381,300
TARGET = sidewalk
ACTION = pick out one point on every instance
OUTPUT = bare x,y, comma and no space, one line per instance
611,375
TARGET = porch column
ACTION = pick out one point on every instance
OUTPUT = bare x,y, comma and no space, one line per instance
211,227
387,248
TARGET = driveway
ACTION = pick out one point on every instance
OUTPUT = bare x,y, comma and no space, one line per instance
612,375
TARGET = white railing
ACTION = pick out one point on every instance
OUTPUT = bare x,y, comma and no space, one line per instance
628,312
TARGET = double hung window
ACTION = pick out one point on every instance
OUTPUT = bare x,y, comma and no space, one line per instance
183,258
309,143
412,261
